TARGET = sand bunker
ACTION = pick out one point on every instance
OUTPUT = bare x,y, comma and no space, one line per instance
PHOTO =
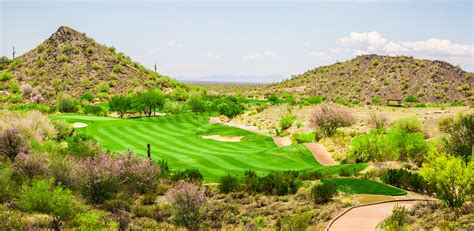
79,125
224,138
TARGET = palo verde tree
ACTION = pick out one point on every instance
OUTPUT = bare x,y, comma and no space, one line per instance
150,101
120,104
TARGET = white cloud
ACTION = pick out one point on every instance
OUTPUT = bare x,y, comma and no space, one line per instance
372,41
259,55
307,44
358,43
174,44
213,56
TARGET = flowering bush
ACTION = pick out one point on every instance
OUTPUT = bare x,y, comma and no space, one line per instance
32,125
188,203
98,177
137,173
26,89
12,143
328,118
31,165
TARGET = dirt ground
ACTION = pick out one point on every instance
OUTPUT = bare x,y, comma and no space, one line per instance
320,154
268,119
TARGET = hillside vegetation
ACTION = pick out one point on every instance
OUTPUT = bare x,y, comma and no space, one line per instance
70,63
384,77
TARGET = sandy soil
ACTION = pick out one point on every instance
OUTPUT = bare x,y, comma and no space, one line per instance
320,153
223,138
282,141
367,217
79,125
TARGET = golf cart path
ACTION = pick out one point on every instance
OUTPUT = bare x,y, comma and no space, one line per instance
368,216
320,153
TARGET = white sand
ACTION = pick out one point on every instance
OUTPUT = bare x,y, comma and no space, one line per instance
79,125
223,138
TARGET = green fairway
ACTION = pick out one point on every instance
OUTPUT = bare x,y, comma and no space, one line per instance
363,186
177,139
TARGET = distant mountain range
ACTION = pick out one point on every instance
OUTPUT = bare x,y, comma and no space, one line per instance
233,79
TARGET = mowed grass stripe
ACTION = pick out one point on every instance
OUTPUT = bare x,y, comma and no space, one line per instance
225,157
210,156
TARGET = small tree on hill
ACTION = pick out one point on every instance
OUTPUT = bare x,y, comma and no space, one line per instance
411,99
197,104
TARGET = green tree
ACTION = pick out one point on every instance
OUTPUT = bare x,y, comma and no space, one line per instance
197,104
460,140
411,99
273,98
120,104
151,101
452,178
88,96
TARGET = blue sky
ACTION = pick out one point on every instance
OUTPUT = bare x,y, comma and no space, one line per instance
198,38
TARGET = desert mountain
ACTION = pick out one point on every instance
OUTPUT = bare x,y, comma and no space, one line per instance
71,63
386,77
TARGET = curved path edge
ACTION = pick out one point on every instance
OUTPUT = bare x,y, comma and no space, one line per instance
332,221
320,153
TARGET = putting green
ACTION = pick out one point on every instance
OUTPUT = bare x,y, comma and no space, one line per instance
363,186
177,139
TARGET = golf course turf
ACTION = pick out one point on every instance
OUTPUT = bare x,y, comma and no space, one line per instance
363,186
177,139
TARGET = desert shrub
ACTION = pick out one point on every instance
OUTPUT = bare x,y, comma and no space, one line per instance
31,107
14,87
197,104
297,222
261,107
404,179
31,165
63,129
371,146
189,175
15,98
376,100
150,211
407,146
104,88
460,140
398,221
286,121
395,145
12,143
228,184
43,197
315,99
173,107
68,105
377,121
451,177
323,192
99,178
188,204
87,96
273,98
64,170
299,138
93,220
33,125
328,118
136,173
94,110
7,188
81,146
26,89
5,76
409,124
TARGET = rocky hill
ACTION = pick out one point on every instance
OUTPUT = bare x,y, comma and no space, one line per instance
70,63
385,77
